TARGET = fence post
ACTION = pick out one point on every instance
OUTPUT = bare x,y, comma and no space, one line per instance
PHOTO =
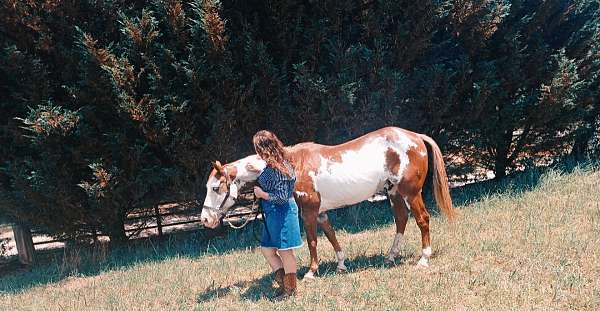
158,220
24,243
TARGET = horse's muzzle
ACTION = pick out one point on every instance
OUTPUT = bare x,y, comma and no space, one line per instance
212,220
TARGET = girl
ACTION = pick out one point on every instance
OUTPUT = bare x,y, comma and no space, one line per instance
281,234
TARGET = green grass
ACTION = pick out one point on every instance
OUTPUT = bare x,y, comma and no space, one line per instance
528,243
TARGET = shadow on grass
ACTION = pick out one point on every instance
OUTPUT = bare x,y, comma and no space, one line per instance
262,288
372,215
54,266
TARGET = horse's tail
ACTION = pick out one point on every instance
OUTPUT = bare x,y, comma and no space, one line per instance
441,190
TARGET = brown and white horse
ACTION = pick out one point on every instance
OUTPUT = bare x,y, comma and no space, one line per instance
329,177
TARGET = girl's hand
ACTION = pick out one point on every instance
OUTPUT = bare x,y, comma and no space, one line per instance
259,193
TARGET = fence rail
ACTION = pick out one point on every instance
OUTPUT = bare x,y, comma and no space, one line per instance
190,213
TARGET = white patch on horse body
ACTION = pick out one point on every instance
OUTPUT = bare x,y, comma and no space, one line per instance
243,174
401,148
395,249
355,179
377,198
359,174
301,193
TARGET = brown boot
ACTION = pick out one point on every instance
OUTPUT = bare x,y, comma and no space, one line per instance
279,273
289,287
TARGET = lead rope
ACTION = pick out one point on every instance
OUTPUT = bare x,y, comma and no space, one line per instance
229,223
247,221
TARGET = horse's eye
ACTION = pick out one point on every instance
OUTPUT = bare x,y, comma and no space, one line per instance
216,189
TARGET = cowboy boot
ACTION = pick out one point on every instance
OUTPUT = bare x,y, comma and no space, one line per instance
289,287
278,276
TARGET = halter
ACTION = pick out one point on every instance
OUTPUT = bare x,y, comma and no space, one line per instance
223,212
228,184
220,210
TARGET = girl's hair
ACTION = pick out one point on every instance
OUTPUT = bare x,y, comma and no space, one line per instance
270,149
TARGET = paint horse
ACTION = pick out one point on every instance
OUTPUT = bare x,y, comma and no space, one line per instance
390,160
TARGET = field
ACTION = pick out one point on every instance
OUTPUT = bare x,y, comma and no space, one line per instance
529,243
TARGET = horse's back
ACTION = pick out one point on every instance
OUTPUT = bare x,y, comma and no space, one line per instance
354,171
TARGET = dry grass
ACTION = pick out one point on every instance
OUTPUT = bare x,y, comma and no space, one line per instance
538,249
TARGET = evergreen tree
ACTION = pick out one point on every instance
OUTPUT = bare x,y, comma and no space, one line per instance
109,107
523,62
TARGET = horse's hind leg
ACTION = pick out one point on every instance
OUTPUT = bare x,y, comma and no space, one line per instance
310,227
400,211
324,223
417,206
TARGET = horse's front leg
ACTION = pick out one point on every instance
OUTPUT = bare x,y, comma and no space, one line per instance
310,226
324,223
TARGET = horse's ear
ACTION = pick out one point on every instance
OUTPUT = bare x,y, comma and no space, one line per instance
218,166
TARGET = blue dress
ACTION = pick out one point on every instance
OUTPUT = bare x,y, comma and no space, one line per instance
282,227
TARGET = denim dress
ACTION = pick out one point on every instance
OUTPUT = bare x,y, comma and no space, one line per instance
282,227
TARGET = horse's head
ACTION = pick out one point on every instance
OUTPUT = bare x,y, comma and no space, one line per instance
223,185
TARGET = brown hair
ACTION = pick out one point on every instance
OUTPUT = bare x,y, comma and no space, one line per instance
271,149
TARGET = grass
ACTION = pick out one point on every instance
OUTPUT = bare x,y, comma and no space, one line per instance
529,243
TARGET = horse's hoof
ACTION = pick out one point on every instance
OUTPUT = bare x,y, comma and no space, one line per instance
341,271
388,262
309,276
423,263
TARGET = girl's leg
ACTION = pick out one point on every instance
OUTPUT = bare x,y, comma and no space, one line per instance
289,260
289,279
272,258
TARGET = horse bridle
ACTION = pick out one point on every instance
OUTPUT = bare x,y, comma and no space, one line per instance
221,211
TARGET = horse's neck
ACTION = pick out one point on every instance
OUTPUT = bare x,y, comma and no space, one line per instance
248,176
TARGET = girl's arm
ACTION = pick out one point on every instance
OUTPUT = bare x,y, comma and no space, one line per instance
278,196
275,185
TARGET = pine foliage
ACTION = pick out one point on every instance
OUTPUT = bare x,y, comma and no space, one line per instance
109,107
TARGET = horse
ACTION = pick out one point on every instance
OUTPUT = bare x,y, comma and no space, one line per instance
390,160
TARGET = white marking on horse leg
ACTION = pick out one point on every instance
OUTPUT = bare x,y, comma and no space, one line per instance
423,153
424,261
427,252
322,218
341,257
395,249
309,276
406,202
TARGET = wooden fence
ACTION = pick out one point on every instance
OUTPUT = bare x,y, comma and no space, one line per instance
162,216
